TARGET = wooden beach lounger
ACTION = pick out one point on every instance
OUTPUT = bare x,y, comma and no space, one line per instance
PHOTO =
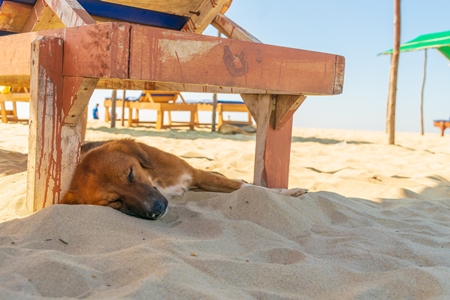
155,46
224,106
162,102
442,125
14,96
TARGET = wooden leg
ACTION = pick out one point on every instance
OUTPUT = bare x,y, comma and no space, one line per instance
169,117
56,110
14,111
159,119
192,120
84,121
107,118
273,147
3,109
45,158
220,112
130,117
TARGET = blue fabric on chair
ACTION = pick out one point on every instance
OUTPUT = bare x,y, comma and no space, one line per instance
127,14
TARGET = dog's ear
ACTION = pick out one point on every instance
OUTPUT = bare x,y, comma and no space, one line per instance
70,198
130,147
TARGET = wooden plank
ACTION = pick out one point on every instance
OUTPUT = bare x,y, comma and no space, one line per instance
70,12
203,15
45,159
104,54
42,17
15,52
286,106
232,30
76,98
169,56
180,87
13,16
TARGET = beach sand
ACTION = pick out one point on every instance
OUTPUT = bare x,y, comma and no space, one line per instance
375,225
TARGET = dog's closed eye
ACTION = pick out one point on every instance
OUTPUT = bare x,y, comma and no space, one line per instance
131,175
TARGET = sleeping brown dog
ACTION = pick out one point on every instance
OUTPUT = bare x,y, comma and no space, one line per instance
139,180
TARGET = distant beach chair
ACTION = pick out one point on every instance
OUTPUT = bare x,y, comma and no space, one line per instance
108,104
224,106
12,95
162,102
442,125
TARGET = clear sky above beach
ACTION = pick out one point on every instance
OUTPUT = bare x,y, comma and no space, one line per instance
358,30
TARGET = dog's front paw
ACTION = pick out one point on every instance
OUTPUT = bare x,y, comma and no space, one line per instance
295,192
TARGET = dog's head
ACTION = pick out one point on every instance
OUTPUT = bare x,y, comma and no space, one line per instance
114,174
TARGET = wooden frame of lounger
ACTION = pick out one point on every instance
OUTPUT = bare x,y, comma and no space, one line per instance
442,125
221,109
161,102
68,64
16,95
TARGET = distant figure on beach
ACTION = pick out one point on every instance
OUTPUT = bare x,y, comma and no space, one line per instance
95,112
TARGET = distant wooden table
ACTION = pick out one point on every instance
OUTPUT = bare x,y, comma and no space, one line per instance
442,125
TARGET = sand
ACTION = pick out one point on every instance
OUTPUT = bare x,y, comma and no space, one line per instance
375,225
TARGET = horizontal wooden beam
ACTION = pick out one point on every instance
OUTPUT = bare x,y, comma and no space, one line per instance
170,56
133,52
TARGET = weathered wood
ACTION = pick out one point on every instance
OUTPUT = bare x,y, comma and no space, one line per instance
273,147
168,56
286,106
70,12
179,87
77,92
232,30
203,15
105,54
42,17
13,15
45,159
56,110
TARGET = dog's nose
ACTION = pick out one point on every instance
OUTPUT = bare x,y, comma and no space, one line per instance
157,211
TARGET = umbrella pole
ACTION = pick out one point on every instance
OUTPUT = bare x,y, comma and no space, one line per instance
422,91
392,94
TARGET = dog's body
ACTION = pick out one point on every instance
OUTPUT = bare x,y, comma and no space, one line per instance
139,180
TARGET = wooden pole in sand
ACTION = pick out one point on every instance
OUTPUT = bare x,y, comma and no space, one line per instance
422,91
113,108
123,107
392,97
214,108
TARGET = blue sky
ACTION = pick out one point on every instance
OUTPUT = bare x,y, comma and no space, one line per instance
358,30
